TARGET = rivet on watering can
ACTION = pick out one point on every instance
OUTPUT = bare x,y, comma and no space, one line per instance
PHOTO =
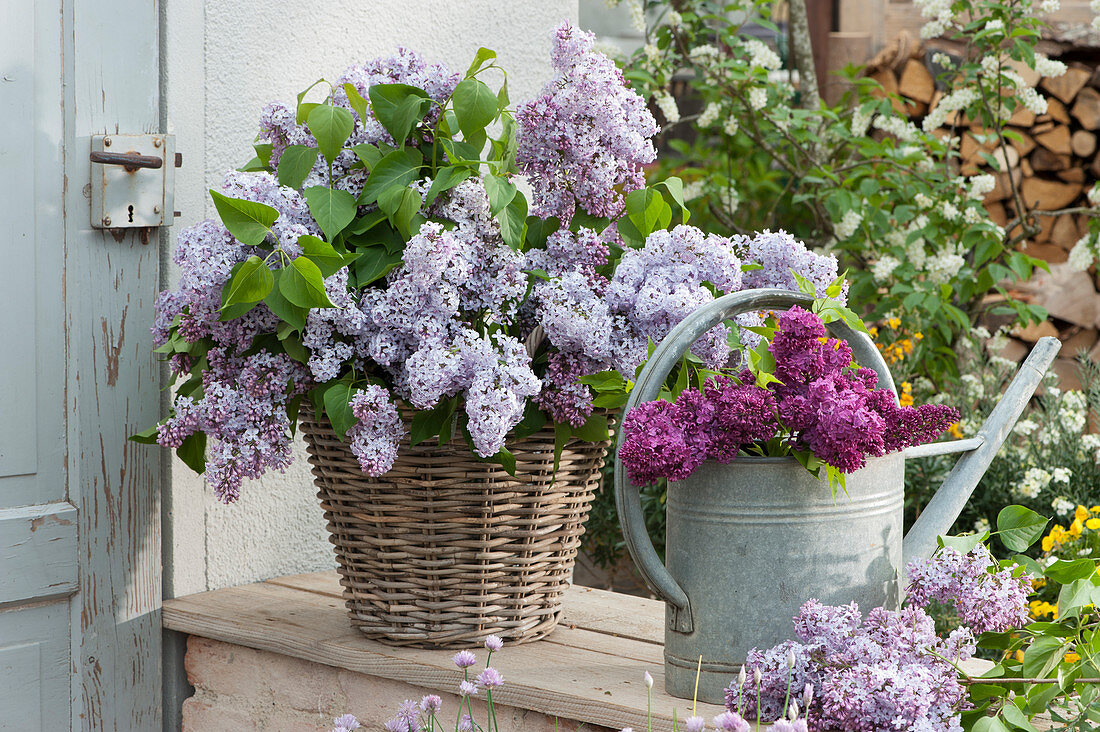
156,142
156,209
106,220
106,142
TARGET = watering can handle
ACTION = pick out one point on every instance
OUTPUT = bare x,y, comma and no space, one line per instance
939,515
648,387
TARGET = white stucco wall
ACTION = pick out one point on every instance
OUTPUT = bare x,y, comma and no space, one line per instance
222,61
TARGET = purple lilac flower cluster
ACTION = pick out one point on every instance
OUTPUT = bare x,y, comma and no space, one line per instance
243,411
889,671
278,124
780,256
986,599
820,404
586,137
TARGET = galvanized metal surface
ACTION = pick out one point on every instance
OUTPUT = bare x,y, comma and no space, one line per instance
937,517
748,543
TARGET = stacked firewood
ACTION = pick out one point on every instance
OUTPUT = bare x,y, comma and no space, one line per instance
1054,162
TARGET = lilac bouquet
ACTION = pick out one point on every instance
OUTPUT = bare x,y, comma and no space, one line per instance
802,396
377,264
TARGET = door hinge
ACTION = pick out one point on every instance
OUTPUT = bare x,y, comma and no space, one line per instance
133,180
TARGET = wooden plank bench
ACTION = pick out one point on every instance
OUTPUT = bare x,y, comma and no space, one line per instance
281,655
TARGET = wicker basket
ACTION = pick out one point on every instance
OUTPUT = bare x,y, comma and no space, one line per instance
444,550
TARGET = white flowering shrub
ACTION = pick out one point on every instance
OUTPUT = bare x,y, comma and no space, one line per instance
757,150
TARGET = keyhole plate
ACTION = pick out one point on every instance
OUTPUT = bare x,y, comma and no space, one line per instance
132,198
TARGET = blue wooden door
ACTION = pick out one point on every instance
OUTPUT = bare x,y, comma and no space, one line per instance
79,516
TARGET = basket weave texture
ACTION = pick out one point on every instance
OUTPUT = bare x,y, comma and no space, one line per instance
443,549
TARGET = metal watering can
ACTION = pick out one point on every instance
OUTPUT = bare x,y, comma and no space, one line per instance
748,543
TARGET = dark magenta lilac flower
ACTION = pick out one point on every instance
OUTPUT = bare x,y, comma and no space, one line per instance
822,404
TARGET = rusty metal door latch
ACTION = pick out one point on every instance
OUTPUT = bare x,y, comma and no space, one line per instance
131,184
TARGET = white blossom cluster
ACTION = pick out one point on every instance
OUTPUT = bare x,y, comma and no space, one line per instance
1062,506
884,267
667,104
761,56
846,227
709,115
1083,254
1033,483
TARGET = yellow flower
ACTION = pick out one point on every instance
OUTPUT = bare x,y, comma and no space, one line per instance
918,335
894,323
1020,656
872,331
1075,528
906,396
955,432
1048,543
1093,524
1095,509
1072,657
1081,513
1041,582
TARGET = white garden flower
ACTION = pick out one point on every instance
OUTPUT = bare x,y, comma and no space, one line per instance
1025,427
693,189
1048,67
1062,506
709,115
846,227
949,211
731,126
943,60
995,24
730,199
1061,475
990,64
1033,483
915,253
861,122
1050,6
973,214
922,200
637,15
973,387
667,104
761,56
981,525
944,266
758,97
652,53
981,185
1033,100
901,128
1094,194
704,53
884,267
1094,5
1081,256
675,20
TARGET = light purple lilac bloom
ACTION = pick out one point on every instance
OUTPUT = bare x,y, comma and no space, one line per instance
374,437
585,138
890,671
242,410
657,286
986,599
493,643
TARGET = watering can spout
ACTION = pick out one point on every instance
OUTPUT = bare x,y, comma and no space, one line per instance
941,512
